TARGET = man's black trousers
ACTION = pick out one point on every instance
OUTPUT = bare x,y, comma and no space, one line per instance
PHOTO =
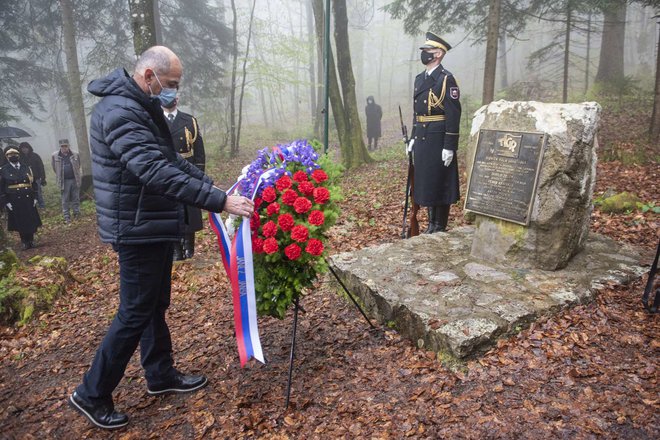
145,285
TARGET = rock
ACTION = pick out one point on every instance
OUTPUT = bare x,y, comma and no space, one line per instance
621,202
562,204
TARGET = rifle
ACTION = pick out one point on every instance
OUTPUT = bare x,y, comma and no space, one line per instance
413,230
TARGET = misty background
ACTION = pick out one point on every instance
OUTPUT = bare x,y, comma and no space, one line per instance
283,85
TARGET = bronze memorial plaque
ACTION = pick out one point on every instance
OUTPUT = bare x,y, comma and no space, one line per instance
504,174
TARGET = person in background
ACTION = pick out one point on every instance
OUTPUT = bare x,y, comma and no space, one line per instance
18,197
66,165
374,115
141,185
33,160
434,138
189,144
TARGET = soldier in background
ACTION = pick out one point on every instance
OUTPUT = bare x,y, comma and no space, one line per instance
188,143
434,138
374,115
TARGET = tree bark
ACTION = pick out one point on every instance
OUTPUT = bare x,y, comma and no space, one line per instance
654,130
567,46
490,67
333,87
233,147
240,99
610,67
358,151
77,106
144,24
311,65
504,67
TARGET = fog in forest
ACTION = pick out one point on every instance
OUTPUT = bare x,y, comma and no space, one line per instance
283,70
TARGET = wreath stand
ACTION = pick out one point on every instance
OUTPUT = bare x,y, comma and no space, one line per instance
296,308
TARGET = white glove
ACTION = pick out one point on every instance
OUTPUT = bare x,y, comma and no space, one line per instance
447,157
409,147
35,203
9,207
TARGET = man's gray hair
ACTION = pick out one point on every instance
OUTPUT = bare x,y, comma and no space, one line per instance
157,58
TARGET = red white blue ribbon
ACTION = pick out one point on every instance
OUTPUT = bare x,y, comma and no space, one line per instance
237,259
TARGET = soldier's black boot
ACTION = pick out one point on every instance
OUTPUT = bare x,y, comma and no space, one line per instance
178,252
431,227
441,218
189,245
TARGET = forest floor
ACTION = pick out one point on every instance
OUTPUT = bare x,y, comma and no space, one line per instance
588,372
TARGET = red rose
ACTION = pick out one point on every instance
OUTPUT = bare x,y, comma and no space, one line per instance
307,188
300,233
314,247
270,246
257,202
289,197
302,205
286,222
257,245
269,194
273,208
321,195
283,183
319,176
316,218
269,229
255,222
300,176
292,251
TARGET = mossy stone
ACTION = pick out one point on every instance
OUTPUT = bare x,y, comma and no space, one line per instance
621,202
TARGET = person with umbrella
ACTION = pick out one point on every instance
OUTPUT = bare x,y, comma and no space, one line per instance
18,197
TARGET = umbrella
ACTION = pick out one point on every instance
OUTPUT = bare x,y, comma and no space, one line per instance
13,132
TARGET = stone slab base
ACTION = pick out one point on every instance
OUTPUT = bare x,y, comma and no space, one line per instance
435,294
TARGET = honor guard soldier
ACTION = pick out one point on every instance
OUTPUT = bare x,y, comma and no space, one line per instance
18,195
434,138
189,144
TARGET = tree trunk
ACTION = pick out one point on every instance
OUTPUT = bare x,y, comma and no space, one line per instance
358,150
588,55
144,24
567,46
654,130
610,67
491,51
333,87
233,147
77,107
504,67
240,99
311,65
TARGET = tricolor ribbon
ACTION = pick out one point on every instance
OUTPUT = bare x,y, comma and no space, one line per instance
236,256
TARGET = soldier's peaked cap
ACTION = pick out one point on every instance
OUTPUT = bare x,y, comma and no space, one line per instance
435,42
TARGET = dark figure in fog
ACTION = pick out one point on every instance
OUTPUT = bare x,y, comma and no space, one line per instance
189,144
434,137
141,185
31,158
18,195
374,115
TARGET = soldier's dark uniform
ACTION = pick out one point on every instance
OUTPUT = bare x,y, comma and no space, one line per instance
436,123
18,188
189,144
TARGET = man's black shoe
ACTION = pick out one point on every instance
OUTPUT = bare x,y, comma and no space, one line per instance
102,415
178,384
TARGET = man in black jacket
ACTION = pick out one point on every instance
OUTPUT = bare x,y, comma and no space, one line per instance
141,185
189,144
38,172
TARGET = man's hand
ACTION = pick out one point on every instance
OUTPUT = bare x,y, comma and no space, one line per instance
9,207
409,147
239,205
447,157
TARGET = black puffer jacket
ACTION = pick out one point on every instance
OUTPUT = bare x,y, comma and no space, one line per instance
139,179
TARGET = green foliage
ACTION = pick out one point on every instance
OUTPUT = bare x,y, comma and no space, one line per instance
650,206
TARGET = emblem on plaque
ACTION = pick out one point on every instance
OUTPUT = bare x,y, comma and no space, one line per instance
509,145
